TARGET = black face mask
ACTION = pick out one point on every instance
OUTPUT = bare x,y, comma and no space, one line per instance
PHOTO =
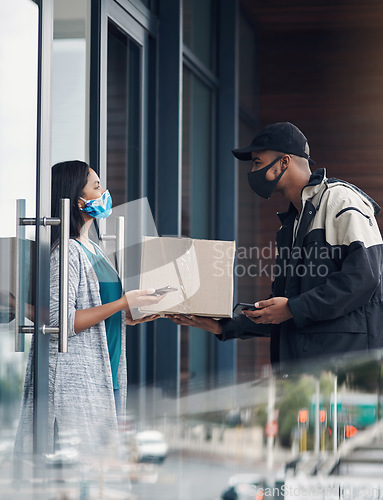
258,182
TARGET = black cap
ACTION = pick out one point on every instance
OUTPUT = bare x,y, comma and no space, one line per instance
284,137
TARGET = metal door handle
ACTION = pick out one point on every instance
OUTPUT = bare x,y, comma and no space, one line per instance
64,274
63,221
119,237
20,235
120,245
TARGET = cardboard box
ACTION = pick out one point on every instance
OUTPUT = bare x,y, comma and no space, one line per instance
201,270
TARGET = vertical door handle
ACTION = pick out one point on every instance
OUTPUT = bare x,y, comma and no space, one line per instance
64,222
64,274
119,237
19,268
120,246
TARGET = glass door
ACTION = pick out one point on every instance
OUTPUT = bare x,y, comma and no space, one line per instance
124,159
25,39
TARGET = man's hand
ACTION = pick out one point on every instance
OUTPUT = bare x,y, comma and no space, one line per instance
203,322
272,311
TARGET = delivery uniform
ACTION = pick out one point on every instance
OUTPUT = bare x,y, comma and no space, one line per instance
329,266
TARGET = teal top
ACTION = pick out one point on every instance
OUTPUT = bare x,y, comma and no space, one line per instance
110,290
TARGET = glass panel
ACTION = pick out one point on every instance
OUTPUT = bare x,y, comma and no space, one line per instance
253,355
186,155
124,173
199,18
124,118
124,141
201,163
18,119
197,147
69,108
248,67
269,438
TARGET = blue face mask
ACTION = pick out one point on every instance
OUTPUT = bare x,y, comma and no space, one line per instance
99,208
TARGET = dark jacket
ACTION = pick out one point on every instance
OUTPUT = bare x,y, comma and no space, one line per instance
331,274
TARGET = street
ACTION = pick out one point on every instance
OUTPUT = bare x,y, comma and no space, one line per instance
180,477
189,478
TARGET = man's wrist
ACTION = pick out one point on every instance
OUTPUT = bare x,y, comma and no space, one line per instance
217,328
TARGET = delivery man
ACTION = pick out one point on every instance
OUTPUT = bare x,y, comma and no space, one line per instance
327,291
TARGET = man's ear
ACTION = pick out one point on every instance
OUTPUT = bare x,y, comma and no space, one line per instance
285,161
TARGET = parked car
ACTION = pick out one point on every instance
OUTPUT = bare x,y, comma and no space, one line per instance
67,450
149,446
245,487
64,457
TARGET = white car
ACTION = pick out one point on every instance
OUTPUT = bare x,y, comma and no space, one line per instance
149,446
245,487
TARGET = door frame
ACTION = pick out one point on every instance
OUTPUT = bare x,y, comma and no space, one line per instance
43,209
139,24
128,24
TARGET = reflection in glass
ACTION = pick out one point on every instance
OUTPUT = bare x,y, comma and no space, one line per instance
68,99
219,440
199,17
197,164
197,147
69,74
124,149
124,117
18,121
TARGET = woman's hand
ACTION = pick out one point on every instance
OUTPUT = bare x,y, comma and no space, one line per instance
139,298
130,301
141,319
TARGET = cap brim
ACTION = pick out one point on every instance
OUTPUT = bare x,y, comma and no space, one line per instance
243,154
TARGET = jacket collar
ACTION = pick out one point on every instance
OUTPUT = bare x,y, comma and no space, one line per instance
312,187
315,184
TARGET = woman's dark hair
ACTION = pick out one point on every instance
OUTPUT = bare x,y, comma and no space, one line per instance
68,181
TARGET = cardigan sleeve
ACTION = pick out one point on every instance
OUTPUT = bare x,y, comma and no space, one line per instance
74,281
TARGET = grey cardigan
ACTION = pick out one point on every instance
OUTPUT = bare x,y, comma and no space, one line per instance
81,396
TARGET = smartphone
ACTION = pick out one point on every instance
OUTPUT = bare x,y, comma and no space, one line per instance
164,289
242,306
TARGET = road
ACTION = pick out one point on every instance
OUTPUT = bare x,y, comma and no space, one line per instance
180,477
188,478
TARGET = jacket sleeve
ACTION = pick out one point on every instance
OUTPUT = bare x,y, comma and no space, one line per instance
241,327
350,225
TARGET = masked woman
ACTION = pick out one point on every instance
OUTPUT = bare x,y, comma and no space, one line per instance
87,385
